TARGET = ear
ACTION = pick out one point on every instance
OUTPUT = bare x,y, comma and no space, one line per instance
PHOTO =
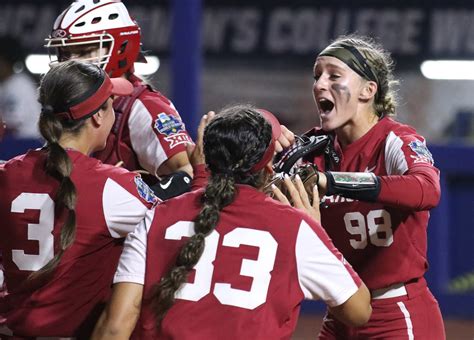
98,118
369,89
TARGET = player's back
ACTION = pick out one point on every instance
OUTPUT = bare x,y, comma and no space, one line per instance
258,265
31,227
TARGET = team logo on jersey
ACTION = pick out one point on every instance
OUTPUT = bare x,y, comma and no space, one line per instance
423,155
177,139
145,192
59,33
168,124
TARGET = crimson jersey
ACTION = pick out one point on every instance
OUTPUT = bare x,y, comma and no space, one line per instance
110,203
147,131
259,263
384,241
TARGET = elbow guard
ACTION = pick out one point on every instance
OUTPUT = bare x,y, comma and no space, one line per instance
172,185
363,186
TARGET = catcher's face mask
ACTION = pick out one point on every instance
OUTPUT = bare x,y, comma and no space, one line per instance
276,132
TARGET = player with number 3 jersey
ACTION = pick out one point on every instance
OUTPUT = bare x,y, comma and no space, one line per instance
228,261
64,214
379,183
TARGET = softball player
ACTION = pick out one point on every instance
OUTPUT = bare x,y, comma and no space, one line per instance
64,215
379,183
148,132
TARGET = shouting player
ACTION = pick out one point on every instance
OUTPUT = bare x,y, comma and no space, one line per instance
230,262
148,132
64,215
380,182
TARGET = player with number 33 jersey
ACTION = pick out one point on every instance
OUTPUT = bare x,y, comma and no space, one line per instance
236,263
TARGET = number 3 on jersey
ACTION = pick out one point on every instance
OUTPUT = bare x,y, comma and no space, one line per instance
259,269
41,231
379,227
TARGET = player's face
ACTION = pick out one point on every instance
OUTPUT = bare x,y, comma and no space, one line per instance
91,52
336,91
108,122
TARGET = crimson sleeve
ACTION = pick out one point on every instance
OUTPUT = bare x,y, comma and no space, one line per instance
200,178
417,189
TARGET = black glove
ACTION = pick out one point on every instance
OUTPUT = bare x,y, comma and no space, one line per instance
303,146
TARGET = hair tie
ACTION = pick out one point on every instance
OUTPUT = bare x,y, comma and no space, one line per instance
47,109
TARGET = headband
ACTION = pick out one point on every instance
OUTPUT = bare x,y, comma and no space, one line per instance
92,100
276,132
352,57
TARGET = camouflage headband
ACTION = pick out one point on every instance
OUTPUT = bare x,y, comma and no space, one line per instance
352,57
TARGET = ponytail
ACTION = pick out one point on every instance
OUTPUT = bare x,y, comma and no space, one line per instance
59,166
219,193
65,83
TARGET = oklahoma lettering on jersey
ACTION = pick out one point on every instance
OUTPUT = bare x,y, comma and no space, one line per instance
110,203
259,263
385,244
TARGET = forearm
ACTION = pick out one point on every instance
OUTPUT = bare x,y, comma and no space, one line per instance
119,318
419,189
104,330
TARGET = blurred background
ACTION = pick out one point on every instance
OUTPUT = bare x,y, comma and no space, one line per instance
205,54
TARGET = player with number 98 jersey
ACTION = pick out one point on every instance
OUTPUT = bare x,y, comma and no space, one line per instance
391,232
380,182
110,203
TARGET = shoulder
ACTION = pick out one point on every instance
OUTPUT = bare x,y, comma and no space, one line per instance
154,101
388,125
26,161
186,204
114,180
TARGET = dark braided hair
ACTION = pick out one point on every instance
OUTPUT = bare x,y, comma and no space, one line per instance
63,84
234,141
382,65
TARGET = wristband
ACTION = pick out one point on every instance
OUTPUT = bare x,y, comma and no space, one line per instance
172,185
364,186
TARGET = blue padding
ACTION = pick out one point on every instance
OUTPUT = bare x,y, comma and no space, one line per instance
11,147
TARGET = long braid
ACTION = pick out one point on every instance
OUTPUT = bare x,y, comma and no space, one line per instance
60,86
234,141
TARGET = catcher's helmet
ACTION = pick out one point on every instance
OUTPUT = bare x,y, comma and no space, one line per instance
105,23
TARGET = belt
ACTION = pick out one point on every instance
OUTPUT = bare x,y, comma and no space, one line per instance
392,291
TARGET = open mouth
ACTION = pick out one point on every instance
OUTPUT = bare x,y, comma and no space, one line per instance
325,105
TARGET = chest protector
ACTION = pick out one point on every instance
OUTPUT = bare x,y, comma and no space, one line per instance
119,147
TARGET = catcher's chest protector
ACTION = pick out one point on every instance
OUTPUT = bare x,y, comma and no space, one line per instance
119,147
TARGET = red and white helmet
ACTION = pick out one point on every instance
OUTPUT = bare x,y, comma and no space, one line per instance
105,23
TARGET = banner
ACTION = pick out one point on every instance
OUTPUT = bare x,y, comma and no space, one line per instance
281,29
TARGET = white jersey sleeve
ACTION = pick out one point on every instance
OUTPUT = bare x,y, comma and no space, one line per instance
122,210
145,143
322,270
132,264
